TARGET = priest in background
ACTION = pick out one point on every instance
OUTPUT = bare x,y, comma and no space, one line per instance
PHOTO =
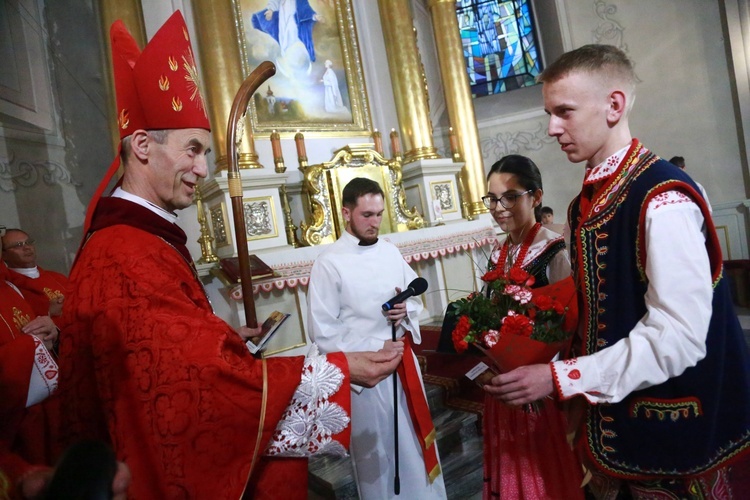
45,290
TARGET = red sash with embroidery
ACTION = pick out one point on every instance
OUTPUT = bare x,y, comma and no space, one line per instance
419,410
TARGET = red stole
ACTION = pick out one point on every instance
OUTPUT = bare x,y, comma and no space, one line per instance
418,409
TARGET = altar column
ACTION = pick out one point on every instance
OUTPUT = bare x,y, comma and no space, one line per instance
131,13
221,65
459,103
407,78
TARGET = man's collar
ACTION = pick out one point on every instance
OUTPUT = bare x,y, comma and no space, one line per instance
121,193
356,241
606,168
29,272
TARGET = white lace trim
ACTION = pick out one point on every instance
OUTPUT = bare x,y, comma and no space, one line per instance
309,422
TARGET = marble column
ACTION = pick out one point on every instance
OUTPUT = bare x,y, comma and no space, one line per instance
459,103
408,80
221,71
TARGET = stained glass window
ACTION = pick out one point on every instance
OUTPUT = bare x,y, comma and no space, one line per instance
500,45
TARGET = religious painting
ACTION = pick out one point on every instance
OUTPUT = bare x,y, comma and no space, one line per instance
444,195
260,218
319,82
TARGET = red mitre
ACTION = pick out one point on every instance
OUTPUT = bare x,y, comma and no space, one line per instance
156,89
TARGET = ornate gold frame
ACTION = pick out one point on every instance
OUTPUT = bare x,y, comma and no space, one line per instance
453,195
323,183
220,223
361,123
273,221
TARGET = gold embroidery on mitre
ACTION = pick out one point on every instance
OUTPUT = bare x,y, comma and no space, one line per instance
19,318
185,32
173,64
176,104
123,119
164,83
193,80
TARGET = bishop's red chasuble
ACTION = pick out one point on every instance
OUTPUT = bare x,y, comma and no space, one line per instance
147,367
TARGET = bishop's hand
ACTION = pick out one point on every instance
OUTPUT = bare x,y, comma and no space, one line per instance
369,368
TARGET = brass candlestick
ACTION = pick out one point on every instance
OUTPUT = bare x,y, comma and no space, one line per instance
291,229
278,159
206,240
299,140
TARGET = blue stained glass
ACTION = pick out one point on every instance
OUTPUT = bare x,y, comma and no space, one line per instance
499,44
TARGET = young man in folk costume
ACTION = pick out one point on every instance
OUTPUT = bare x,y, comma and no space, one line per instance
145,364
349,283
660,368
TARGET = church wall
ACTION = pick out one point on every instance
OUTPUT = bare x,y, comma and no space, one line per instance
684,102
53,134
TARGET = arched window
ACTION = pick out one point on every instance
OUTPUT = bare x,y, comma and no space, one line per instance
500,45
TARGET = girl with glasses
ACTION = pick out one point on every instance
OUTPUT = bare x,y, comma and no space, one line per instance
525,453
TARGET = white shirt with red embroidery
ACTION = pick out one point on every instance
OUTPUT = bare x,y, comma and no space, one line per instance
671,336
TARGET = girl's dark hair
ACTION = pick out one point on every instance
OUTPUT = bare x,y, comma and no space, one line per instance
526,172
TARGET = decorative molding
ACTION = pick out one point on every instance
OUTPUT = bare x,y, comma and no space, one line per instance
260,218
505,143
26,173
609,31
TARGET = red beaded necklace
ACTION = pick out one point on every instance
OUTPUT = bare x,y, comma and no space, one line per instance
523,250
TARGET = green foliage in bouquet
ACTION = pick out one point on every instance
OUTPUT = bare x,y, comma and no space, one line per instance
508,307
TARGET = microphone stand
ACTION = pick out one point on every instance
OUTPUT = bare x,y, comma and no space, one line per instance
396,479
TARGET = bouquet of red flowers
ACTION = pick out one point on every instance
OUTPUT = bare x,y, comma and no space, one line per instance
513,324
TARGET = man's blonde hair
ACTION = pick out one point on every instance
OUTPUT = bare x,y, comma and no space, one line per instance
605,61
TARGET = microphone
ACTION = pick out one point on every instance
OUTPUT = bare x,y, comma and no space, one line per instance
416,287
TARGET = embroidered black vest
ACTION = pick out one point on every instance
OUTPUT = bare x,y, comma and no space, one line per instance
690,423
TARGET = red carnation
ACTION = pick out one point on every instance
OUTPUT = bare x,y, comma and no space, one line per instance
459,334
520,277
490,337
494,275
517,324
543,302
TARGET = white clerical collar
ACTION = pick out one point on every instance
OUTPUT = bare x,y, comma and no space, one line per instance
605,168
356,241
29,272
168,216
